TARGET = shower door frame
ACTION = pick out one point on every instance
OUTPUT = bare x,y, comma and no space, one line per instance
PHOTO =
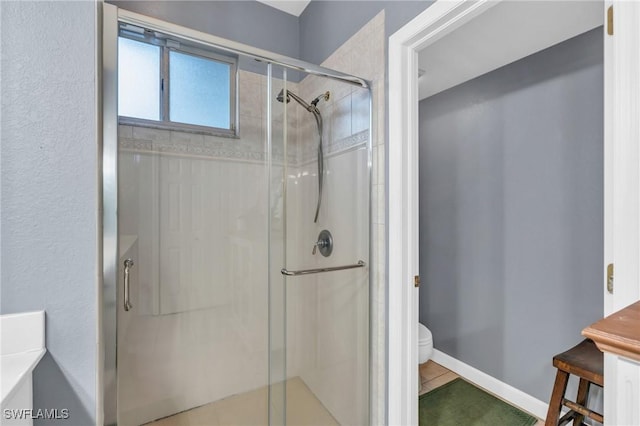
109,18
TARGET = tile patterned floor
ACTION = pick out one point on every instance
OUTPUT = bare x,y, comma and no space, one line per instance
251,408
434,375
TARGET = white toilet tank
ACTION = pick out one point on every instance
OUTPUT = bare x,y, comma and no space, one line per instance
425,344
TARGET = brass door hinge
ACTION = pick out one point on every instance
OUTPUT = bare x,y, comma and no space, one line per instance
416,281
610,20
610,278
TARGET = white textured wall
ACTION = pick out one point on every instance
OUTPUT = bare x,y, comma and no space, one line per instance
50,191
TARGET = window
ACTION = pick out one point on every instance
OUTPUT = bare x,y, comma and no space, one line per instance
167,84
199,90
138,79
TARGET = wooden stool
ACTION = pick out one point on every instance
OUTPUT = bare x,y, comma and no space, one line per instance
585,361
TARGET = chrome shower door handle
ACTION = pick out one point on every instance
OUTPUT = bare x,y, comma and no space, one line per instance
128,264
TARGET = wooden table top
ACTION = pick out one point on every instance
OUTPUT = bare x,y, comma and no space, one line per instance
618,333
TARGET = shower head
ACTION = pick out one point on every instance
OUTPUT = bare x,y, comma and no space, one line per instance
325,96
298,99
280,97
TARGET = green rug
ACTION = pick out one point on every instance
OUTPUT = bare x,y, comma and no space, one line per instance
460,403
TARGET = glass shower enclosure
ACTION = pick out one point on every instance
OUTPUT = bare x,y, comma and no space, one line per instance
237,289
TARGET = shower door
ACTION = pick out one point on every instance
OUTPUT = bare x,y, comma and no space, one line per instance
243,240
320,272
194,209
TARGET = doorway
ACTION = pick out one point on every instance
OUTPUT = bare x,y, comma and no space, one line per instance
440,20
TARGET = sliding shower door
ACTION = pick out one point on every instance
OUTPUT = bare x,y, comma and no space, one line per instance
324,279
194,209
243,226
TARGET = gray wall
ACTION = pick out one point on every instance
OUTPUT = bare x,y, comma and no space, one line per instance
511,212
326,25
49,191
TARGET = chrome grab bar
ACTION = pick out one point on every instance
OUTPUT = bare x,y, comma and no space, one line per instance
285,271
128,264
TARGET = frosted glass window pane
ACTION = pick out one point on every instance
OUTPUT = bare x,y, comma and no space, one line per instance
138,79
199,91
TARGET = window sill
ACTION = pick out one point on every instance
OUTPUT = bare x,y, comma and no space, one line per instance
178,127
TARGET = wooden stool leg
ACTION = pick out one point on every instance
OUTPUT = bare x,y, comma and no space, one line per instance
555,404
583,394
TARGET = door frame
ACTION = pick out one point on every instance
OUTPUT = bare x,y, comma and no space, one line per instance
404,45
622,193
621,213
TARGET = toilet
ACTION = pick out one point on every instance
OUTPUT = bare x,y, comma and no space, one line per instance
425,349
425,344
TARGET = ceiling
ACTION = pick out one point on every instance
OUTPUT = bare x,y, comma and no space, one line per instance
292,7
503,34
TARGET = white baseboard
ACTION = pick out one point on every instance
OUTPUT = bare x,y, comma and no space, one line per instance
504,391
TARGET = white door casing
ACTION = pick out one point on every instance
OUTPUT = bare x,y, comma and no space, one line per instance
622,197
622,137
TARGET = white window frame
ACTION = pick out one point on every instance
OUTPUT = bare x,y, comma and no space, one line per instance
168,44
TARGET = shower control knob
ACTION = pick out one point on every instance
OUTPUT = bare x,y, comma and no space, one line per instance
319,243
324,243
